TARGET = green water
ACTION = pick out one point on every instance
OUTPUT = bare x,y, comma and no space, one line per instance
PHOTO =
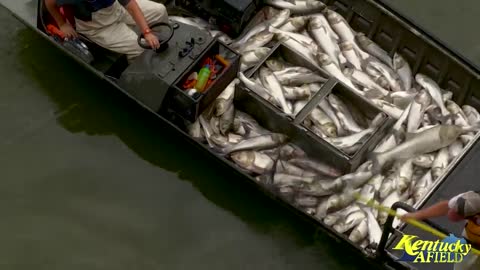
88,180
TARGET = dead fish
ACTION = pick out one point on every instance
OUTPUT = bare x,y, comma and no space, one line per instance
277,65
298,106
402,99
434,90
372,48
297,92
344,31
472,114
388,143
440,163
428,141
377,76
334,217
422,186
388,202
207,130
356,179
253,161
305,40
225,99
362,79
325,106
298,6
299,78
260,40
360,232
257,88
403,69
350,54
387,72
351,140
389,185
323,38
271,82
258,143
424,161
344,115
280,179
374,230
300,49
321,120
286,167
320,188
195,130
215,125
420,103
226,120
250,58
316,166
306,201
459,117
405,175
349,221
234,138
455,149
388,108
327,64
294,24
278,20
335,202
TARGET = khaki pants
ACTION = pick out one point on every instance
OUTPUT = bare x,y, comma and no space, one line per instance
110,27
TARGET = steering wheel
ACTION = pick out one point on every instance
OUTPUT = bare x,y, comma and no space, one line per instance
163,43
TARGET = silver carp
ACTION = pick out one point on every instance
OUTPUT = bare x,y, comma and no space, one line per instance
294,24
225,99
473,116
374,230
251,58
403,69
257,88
361,78
360,232
327,64
277,64
422,186
391,76
377,76
332,218
258,143
207,130
298,106
349,221
424,161
335,202
271,82
299,49
321,35
440,163
299,78
405,175
344,31
372,48
351,140
327,108
297,92
455,149
320,19
420,103
288,168
316,166
350,54
427,141
434,90
388,143
226,120
321,120
298,6
388,108
306,201
278,20
260,40
322,188
402,98
344,115
253,161
306,41
281,179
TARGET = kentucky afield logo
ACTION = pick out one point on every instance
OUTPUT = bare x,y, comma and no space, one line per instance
449,250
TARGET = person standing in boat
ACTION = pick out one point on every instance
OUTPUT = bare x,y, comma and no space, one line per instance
107,22
463,207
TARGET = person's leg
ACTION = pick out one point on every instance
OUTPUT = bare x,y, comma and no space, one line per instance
153,12
109,31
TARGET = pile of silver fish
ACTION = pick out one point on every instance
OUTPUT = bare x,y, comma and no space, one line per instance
430,133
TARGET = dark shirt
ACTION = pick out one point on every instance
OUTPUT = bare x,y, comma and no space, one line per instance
83,9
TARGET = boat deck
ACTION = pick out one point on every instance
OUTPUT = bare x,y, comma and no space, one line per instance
463,178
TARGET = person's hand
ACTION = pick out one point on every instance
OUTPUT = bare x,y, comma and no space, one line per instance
68,31
152,40
413,215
